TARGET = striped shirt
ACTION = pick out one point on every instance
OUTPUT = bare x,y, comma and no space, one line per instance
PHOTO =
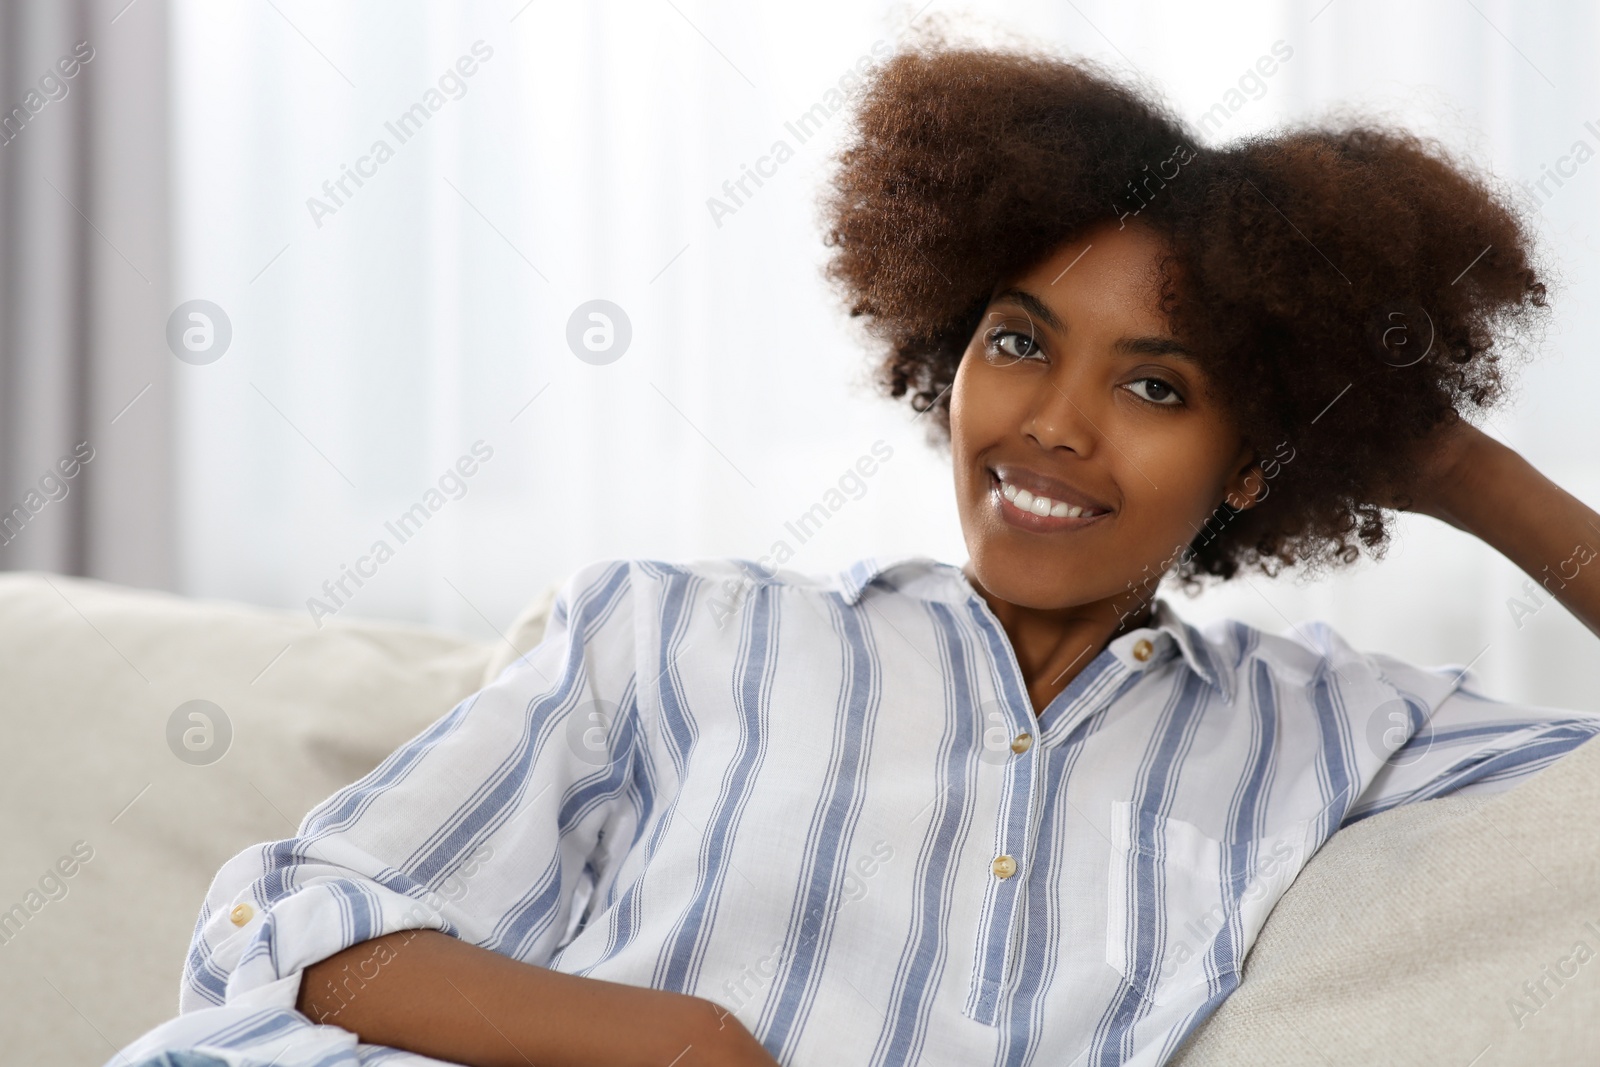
827,804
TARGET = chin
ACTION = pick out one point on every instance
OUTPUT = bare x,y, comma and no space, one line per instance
1016,580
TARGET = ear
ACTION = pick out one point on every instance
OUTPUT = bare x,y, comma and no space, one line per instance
1247,485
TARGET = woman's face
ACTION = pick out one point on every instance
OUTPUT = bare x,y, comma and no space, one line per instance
1074,390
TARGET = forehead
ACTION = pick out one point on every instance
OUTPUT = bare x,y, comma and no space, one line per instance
1108,273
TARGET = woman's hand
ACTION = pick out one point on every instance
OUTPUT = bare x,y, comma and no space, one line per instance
1446,461
652,1028
723,1040
1482,487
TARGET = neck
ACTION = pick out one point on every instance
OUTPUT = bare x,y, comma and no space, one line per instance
1053,645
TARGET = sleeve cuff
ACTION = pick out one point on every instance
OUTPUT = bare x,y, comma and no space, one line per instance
259,954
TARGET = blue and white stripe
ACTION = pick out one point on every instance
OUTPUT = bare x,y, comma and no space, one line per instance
791,802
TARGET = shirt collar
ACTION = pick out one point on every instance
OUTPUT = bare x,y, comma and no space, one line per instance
929,579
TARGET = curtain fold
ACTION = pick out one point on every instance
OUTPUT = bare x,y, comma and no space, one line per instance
85,393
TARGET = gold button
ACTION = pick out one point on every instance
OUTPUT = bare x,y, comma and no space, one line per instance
241,914
1142,649
1004,866
1021,742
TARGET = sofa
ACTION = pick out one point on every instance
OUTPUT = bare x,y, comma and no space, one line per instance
150,737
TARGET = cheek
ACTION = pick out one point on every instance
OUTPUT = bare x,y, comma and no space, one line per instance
972,413
986,403
986,409
1187,484
967,400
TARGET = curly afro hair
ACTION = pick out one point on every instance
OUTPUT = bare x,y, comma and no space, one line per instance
1344,286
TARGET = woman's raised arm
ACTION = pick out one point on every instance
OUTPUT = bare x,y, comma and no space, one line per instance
1476,484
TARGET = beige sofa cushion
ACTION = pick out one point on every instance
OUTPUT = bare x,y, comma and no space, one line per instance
1423,936
523,635
92,672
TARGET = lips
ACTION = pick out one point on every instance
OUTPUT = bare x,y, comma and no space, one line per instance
1039,484
1014,507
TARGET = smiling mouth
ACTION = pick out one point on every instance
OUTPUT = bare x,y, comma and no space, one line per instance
1039,514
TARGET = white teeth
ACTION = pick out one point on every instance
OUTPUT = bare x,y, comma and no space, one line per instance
1039,505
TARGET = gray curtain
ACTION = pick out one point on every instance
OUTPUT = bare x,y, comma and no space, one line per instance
86,471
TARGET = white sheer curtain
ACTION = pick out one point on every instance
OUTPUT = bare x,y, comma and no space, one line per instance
381,332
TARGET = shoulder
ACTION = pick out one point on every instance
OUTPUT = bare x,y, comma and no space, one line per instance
718,586
737,575
1311,654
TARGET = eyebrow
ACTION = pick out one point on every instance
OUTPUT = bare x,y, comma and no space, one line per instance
1132,346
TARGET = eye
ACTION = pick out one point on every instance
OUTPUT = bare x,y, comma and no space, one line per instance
1003,346
1156,392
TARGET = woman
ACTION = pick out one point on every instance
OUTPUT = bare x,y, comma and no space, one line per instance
1014,811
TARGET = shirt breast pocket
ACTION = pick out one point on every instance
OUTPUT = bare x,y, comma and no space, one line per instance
1164,905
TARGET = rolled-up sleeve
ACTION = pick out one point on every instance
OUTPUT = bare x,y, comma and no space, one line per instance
1446,736
482,826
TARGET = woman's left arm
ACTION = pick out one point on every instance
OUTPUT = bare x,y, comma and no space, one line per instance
1480,486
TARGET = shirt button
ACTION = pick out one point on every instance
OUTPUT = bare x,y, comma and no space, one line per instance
1004,866
241,914
1142,649
1021,742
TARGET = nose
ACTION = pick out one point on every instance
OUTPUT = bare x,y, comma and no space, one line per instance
1059,415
